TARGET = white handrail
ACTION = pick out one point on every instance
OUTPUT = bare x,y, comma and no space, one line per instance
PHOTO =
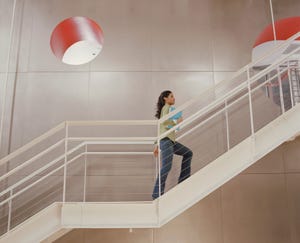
57,160
106,139
75,123
101,140
28,162
226,96
113,123
39,180
229,105
33,143
118,153
58,168
116,142
36,172
236,74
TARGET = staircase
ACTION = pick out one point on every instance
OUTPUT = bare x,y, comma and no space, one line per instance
100,174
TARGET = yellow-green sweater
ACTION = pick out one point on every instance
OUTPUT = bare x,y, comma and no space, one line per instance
164,126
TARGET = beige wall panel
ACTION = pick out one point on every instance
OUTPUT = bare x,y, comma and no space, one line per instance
39,101
293,190
73,237
110,235
291,156
255,209
181,35
6,10
236,24
285,9
200,224
271,163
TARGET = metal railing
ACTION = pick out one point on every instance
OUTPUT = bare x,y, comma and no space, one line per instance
45,167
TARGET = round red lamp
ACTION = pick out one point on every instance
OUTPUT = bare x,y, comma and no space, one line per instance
77,40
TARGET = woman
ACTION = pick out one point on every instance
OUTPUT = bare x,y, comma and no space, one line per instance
168,144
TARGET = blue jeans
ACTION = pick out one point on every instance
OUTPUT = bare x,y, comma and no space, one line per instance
168,149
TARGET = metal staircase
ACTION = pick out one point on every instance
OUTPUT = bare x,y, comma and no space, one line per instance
100,174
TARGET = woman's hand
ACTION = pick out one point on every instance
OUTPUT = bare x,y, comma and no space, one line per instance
155,152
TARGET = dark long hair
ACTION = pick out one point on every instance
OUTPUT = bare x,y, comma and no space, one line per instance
161,102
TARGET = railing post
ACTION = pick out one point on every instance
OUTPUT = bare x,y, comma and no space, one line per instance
227,126
158,160
66,160
280,90
290,84
297,75
156,169
250,103
159,167
84,179
9,210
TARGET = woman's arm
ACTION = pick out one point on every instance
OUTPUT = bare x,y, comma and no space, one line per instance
155,152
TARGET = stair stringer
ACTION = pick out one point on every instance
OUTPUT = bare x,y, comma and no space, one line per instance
229,165
37,228
189,192
159,212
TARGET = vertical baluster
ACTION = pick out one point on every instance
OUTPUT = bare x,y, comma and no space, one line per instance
84,179
250,102
9,210
66,159
227,126
280,90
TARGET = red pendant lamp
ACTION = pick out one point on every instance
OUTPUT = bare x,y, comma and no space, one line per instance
285,28
77,40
